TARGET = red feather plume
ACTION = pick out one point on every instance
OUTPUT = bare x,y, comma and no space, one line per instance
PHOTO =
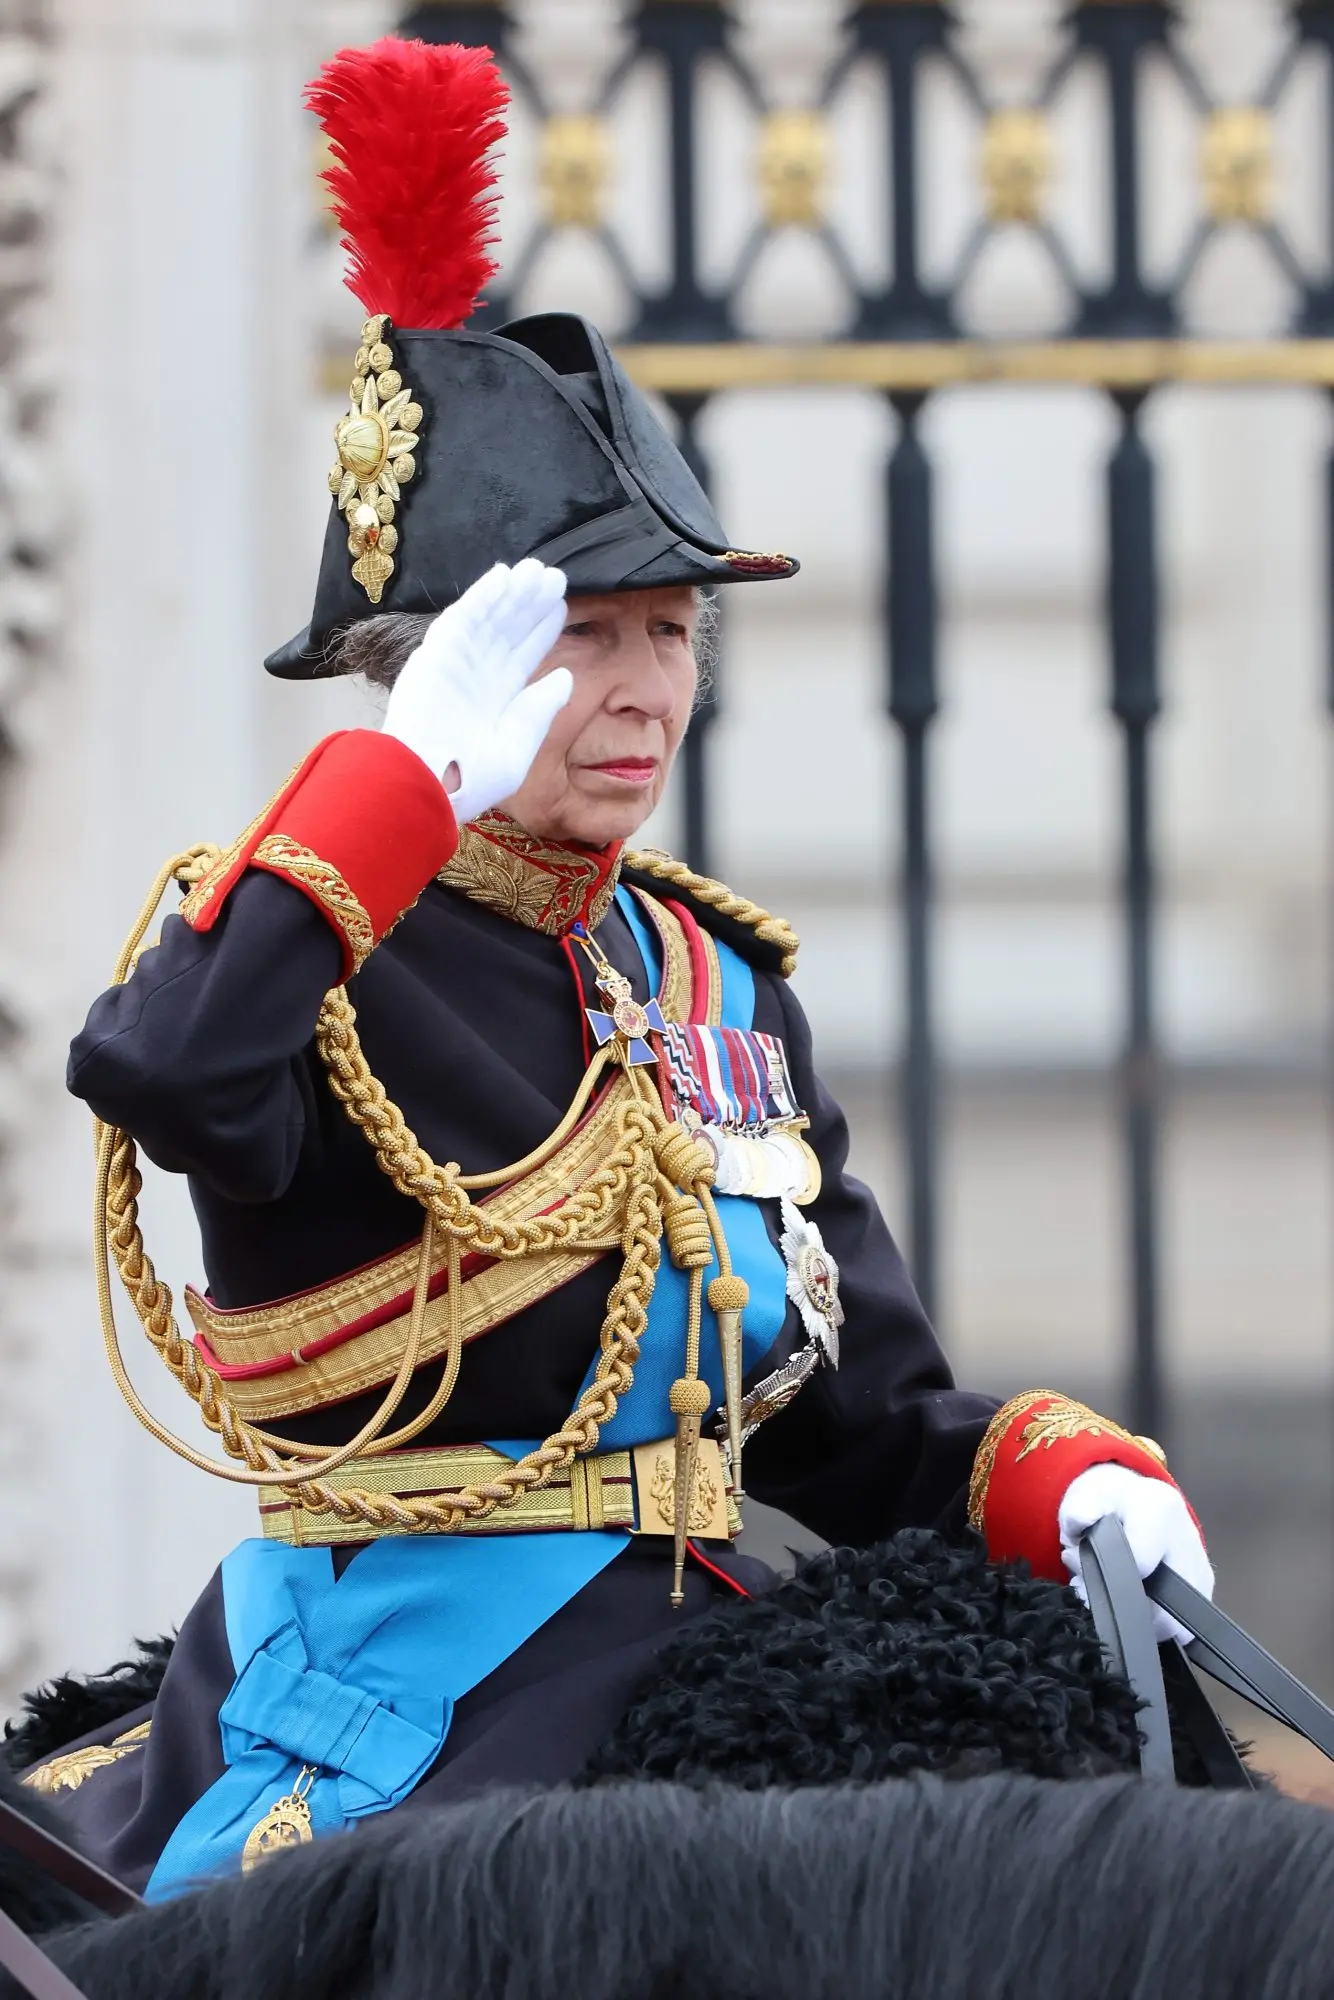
410,125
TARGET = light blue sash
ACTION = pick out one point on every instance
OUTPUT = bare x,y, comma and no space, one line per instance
359,1676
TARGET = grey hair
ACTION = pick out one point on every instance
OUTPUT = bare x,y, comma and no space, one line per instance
378,648
705,640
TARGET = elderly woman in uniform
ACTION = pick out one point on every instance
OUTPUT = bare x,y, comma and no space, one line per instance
524,1212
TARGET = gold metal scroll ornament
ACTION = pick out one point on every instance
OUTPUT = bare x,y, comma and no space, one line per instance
575,164
1237,164
376,441
1016,164
793,168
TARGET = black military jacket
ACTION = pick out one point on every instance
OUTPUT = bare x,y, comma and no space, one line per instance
474,1025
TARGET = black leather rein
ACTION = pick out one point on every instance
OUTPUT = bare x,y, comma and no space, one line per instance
1121,1606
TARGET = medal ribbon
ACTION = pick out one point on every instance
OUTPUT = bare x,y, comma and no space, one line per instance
778,1080
748,1091
733,1077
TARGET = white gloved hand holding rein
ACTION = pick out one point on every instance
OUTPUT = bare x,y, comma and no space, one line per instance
1158,1527
466,703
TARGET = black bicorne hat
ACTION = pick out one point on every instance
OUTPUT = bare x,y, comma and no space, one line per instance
462,449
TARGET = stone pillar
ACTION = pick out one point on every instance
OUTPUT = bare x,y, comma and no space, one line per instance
165,454
30,562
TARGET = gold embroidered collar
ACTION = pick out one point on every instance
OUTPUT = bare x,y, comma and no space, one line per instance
540,884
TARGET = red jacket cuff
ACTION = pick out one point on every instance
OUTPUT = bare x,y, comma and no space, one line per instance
360,827
1035,1445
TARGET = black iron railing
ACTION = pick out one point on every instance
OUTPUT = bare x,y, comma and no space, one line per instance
905,339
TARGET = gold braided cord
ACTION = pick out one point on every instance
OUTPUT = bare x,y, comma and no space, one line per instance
117,1185
624,1191
716,1230
442,1191
694,1236
772,930
187,868
622,1330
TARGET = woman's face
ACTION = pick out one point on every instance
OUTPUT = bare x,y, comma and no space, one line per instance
607,755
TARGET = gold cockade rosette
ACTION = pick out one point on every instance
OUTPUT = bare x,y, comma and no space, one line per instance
376,441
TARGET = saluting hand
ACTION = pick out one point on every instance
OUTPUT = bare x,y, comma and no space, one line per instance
466,702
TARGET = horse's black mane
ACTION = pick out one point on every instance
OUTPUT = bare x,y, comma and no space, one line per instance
997,1887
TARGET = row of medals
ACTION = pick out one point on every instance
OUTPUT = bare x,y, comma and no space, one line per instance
764,1165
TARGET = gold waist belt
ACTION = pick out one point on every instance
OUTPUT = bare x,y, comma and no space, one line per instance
615,1489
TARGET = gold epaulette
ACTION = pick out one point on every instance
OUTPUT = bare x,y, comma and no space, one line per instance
717,898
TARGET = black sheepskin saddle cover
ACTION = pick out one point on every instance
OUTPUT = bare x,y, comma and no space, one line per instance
917,1654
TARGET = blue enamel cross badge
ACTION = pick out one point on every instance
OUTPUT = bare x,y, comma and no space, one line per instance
627,1018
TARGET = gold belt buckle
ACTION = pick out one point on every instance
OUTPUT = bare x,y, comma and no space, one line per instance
655,1491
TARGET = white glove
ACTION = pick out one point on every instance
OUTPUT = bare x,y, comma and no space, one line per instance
1158,1528
464,699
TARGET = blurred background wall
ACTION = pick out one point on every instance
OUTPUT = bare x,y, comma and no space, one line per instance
175,343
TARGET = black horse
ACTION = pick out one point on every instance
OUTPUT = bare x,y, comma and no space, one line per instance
1088,1890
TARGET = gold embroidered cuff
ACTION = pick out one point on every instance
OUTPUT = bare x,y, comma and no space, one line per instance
1034,1446
322,882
